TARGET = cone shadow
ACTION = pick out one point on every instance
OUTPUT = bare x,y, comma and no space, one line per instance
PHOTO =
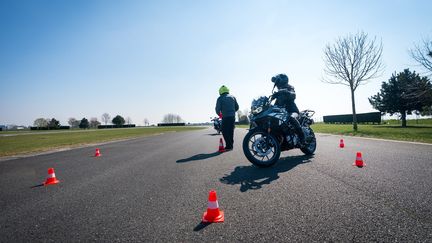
215,134
37,186
199,157
254,178
201,226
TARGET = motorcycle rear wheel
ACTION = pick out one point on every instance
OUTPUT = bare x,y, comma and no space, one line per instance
261,149
310,147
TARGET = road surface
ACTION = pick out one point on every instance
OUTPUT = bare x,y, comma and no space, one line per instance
155,189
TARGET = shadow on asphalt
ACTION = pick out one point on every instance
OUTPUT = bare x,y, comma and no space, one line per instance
253,178
201,226
198,157
215,134
37,185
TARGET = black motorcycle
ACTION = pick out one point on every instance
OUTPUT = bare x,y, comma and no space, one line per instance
217,124
270,133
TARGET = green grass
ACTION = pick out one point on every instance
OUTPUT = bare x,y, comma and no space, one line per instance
416,130
21,142
409,122
413,133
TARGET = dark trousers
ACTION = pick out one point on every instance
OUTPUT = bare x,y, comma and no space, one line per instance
293,120
228,131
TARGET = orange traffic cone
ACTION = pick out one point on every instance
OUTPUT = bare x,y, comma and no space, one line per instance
213,214
341,143
359,160
221,146
98,153
51,178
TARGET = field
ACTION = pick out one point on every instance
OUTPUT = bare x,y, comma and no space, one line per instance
416,130
22,142
412,133
12,143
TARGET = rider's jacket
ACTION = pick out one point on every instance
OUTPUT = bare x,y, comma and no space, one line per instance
227,104
285,97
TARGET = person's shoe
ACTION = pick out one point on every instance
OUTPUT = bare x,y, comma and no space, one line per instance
228,149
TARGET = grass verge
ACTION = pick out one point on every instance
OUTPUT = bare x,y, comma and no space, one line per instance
40,141
416,131
412,133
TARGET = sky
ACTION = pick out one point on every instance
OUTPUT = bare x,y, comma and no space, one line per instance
145,59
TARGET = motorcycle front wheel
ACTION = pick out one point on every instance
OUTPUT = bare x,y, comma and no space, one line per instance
260,148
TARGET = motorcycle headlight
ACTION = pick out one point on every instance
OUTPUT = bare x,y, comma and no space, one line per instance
257,110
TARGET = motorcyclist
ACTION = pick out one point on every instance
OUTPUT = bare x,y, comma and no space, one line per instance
285,97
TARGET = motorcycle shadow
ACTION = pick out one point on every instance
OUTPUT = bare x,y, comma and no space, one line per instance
253,178
198,157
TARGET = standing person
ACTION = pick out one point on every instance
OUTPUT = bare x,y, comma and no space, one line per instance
227,105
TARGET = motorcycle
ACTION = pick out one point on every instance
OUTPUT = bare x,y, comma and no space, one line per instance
270,133
217,124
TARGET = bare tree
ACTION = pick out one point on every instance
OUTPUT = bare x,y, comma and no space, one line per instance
172,118
246,112
40,122
146,122
106,118
352,61
74,123
128,120
239,115
94,123
422,53
243,117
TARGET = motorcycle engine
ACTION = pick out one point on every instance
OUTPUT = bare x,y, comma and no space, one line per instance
292,139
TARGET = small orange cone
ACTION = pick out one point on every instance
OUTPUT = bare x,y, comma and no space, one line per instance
98,153
359,160
341,143
221,146
51,178
213,214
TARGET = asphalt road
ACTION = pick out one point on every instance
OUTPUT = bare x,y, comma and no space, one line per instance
155,189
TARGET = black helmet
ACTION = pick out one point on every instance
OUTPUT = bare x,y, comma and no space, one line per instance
280,80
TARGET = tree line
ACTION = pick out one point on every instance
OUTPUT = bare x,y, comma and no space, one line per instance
84,123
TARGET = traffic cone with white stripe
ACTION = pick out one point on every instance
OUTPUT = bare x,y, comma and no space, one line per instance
359,160
213,214
51,178
98,153
221,146
341,143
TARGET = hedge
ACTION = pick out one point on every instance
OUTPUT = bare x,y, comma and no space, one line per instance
115,126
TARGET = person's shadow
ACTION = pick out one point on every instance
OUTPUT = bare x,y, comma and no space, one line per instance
253,178
215,134
198,157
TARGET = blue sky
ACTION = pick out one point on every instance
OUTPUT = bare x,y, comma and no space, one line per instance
145,59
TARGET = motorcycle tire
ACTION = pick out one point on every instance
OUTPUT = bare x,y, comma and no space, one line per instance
310,147
253,156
